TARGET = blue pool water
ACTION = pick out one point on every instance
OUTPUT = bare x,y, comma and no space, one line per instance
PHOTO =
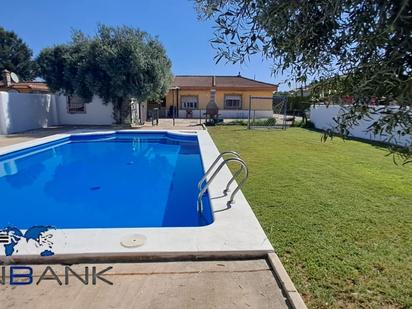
104,181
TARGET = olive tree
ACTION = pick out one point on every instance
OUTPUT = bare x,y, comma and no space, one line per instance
360,48
16,56
116,64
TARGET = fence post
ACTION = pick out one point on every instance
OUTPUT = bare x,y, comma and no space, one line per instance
250,109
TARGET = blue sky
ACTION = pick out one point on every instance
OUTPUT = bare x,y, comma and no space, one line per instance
186,39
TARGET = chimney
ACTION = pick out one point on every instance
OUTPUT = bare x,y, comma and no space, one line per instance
6,77
213,90
211,107
213,95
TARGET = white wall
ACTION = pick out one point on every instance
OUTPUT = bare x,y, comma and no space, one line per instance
322,117
3,123
22,112
233,114
97,113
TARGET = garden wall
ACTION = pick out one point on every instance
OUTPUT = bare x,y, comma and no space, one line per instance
22,112
322,117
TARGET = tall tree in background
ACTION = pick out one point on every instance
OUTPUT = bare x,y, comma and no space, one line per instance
16,56
117,64
360,48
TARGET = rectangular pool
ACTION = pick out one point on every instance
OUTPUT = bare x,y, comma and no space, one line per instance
106,180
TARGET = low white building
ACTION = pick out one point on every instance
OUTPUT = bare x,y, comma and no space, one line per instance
26,111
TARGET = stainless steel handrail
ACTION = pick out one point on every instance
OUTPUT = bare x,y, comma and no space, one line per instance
233,153
240,184
237,173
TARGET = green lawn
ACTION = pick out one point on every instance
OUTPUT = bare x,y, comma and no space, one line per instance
339,214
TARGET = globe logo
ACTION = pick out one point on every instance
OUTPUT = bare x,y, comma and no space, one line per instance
36,239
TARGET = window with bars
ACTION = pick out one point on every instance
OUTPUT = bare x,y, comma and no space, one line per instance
233,101
76,105
189,102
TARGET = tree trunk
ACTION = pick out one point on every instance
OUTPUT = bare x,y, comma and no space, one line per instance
122,111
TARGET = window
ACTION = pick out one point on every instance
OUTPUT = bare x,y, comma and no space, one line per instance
233,101
76,105
189,102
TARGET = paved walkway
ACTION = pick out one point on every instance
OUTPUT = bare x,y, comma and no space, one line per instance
200,284
178,124
164,124
6,140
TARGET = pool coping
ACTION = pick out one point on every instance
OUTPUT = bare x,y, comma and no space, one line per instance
234,232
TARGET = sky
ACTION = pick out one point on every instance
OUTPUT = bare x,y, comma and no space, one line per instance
44,23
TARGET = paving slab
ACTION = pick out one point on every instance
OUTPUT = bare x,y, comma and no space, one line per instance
184,284
11,139
178,124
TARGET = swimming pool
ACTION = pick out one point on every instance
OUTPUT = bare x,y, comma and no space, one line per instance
104,190
107,180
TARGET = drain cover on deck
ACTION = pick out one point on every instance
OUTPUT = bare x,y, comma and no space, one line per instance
133,241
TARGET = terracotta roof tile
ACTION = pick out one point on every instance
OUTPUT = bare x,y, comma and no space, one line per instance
34,86
193,81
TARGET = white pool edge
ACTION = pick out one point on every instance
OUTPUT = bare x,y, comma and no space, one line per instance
235,231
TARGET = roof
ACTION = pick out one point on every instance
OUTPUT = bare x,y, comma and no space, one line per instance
220,82
180,81
32,86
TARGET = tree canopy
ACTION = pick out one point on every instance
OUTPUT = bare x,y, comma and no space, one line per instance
118,63
360,48
16,56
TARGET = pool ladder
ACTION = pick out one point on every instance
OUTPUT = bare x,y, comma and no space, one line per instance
233,157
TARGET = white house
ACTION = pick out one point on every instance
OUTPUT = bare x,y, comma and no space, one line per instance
26,111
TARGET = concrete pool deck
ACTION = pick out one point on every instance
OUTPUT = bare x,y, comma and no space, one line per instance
257,282
164,124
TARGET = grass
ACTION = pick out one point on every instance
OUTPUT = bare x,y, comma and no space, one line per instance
339,214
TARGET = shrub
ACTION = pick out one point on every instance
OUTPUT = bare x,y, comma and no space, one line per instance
270,122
